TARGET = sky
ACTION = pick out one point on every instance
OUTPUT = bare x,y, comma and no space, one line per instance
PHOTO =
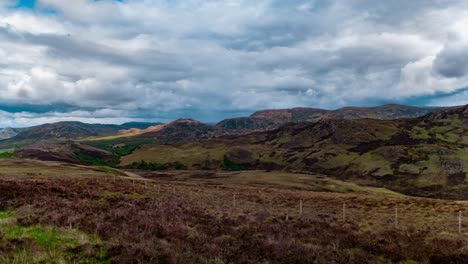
112,61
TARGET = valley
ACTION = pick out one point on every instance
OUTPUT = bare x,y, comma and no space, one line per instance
425,156
330,190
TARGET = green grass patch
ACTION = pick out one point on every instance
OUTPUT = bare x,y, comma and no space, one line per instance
96,161
7,155
44,244
120,146
229,165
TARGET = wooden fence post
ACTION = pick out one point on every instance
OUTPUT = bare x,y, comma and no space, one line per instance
460,222
344,212
396,217
300,208
234,201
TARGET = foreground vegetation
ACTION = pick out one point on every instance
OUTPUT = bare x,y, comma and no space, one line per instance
21,243
216,218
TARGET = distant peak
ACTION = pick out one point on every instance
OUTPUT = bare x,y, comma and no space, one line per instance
185,120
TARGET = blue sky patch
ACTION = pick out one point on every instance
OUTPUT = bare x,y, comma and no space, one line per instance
26,3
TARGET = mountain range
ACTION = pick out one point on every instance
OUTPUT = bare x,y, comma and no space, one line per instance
19,137
270,119
8,132
425,156
412,150
258,121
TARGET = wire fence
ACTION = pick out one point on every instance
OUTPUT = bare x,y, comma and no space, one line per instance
420,213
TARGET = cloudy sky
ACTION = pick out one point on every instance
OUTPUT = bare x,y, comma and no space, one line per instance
113,61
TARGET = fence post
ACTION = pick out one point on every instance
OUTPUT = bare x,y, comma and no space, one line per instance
344,212
234,201
460,222
396,217
300,208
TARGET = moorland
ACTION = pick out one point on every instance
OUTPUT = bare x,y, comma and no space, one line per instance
354,185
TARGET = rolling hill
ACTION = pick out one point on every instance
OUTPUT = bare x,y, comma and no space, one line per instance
9,132
426,156
270,119
137,125
66,151
182,130
66,130
178,130
63,130
189,129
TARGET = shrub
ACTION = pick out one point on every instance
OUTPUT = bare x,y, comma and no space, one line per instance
232,166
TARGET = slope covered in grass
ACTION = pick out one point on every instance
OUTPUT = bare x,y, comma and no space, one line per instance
425,156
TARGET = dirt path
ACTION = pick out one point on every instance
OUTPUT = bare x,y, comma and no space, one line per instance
126,173
129,174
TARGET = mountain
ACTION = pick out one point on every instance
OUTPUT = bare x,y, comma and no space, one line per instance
181,130
65,151
299,114
187,129
137,125
425,156
64,130
8,132
270,119
384,112
247,124
68,130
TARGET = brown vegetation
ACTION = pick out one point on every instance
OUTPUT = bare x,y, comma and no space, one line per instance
196,222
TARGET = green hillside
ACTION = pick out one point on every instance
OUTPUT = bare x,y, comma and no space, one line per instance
426,156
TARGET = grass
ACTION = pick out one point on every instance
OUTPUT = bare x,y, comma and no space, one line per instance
277,180
192,153
97,161
424,160
43,244
6,155
372,163
119,146
190,218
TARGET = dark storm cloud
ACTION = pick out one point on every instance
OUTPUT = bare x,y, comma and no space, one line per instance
452,61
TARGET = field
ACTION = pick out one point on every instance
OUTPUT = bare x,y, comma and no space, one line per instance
55,213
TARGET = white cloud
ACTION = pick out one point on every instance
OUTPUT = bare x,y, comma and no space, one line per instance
143,56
